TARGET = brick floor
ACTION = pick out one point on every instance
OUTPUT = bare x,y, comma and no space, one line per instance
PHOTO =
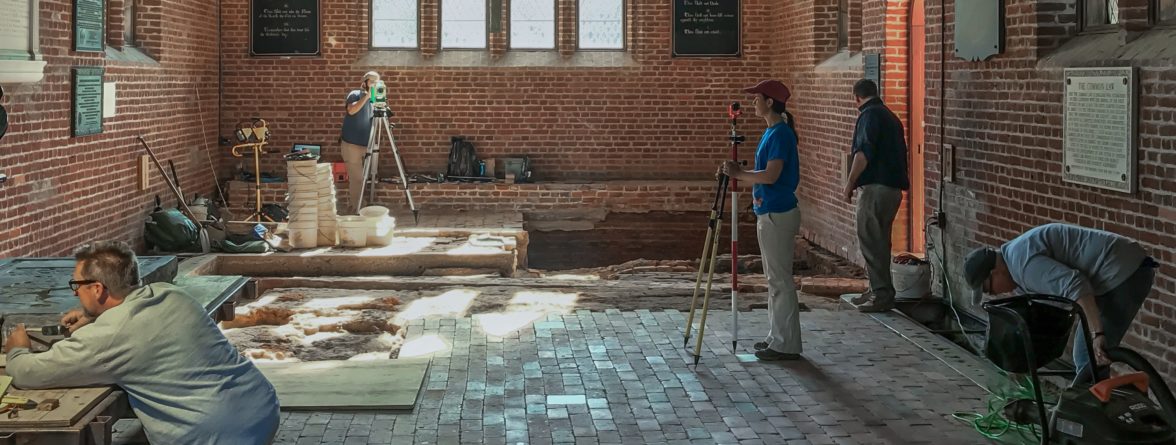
623,378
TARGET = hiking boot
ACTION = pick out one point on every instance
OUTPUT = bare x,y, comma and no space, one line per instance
760,345
771,355
862,298
877,306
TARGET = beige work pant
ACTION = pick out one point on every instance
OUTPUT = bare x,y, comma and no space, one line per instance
877,205
353,160
777,240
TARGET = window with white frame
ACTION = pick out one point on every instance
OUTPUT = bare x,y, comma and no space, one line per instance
463,24
601,24
532,24
394,23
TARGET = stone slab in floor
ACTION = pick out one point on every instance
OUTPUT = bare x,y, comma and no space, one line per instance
347,385
617,377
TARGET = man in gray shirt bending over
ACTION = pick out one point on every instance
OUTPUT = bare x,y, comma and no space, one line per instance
186,383
1108,275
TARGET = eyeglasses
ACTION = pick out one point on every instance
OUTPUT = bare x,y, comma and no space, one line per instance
77,284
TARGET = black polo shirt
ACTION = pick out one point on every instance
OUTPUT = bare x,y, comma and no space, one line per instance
879,135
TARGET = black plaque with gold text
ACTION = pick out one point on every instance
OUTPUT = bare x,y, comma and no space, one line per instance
89,29
87,101
707,28
284,27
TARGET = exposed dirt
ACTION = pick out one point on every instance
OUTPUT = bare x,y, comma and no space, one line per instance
316,324
307,324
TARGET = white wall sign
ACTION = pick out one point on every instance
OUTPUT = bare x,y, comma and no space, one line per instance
20,54
1099,137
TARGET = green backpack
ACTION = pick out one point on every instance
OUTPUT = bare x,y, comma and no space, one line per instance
168,230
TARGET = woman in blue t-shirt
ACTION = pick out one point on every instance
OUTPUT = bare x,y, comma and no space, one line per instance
774,181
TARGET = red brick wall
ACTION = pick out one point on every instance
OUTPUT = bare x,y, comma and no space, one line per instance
1004,118
653,117
64,191
825,110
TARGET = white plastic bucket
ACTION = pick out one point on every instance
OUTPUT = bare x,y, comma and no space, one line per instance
911,281
327,235
374,211
301,238
308,195
380,233
353,231
302,213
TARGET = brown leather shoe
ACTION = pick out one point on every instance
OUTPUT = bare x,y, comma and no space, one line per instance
876,306
862,298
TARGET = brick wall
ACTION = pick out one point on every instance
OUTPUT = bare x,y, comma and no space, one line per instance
63,190
642,115
1004,118
821,78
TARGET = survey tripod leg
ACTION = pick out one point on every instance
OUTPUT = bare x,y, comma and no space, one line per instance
707,260
380,125
400,168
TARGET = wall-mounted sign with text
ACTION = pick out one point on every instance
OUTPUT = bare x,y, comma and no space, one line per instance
707,28
1099,135
284,28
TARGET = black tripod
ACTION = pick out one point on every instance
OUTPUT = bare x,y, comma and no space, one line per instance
381,125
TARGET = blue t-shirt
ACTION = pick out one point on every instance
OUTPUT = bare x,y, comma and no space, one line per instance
778,142
357,127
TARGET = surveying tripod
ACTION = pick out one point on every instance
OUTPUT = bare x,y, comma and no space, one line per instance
380,125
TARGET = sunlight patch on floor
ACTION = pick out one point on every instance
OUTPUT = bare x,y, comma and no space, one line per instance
452,303
423,346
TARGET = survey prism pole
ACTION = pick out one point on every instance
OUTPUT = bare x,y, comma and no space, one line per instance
734,112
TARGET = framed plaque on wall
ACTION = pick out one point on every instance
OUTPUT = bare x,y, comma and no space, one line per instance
284,28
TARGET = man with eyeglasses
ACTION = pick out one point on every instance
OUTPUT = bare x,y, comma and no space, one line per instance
1108,275
185,381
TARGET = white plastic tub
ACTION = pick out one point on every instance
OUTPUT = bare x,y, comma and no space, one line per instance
303,238
353,231
380,232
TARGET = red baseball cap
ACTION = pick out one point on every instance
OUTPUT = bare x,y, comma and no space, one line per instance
771,88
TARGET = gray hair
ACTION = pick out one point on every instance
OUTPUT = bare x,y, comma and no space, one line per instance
111,263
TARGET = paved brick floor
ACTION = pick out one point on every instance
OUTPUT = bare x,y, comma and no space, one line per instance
622,377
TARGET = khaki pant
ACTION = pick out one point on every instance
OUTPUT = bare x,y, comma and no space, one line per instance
877,206
353,160
777,240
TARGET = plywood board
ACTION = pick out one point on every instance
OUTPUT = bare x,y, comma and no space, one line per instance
41,285
347,385
75,403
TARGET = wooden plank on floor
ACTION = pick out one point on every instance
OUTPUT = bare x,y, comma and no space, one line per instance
75,403
347,385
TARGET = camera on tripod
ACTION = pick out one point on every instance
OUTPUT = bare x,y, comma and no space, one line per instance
379,95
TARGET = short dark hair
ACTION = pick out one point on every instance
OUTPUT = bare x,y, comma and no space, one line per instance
865,88
111,263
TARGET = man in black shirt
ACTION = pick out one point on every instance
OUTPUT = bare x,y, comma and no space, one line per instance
879,169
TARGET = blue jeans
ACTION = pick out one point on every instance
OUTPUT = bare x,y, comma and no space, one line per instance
1117,308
